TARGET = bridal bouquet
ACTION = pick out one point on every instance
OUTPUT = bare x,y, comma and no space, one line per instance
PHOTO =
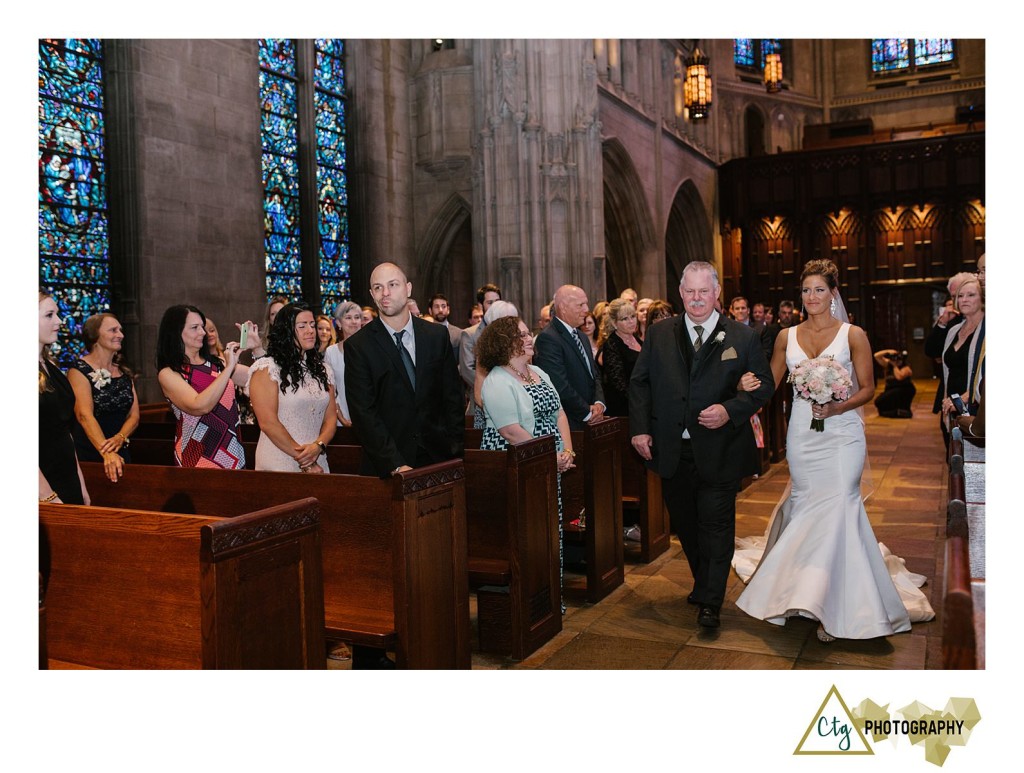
821,380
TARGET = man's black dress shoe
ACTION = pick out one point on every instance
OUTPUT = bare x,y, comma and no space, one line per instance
707,617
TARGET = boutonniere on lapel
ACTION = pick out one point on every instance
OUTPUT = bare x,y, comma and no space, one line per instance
720,337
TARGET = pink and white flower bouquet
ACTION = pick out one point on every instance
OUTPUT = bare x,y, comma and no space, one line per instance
821,381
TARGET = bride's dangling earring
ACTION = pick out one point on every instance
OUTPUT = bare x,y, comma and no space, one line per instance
832,306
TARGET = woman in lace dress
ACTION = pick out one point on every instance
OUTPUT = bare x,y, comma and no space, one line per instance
821,559
106,406
292,394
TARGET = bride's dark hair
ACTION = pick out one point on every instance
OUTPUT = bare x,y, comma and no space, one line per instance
823,268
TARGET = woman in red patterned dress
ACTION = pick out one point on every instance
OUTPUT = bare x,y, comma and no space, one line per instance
195,382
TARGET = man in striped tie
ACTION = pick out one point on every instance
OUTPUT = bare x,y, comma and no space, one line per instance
565,356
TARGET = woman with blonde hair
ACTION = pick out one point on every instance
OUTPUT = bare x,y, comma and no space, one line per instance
619,354
106,405
60,476
349,317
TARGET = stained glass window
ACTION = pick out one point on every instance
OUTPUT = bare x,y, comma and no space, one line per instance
279,129
331,184
890,55
743,52
932,51
749,53
284,77
74,262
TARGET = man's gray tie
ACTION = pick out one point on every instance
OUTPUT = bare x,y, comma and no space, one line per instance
583,349
700,337
406,358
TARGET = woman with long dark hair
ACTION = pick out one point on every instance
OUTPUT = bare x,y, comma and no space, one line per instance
106,405
196,383
60,477
292,393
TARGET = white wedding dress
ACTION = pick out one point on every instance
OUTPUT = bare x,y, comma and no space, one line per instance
819,558
301,412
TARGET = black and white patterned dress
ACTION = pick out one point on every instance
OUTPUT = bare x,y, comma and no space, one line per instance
546,406
111,404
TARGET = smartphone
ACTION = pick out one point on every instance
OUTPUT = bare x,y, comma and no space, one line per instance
958,404
244,337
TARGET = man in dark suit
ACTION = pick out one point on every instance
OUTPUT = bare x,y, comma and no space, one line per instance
692,425
563,352
402,383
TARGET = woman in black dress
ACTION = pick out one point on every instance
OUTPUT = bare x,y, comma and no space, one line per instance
60,477
619,353
106,405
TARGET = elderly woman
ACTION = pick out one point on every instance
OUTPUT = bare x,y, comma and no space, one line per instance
350,320
957,338
619,353
106,405
292,395
60,477
199,386
519,400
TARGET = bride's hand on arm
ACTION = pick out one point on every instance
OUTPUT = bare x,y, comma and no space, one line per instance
748,382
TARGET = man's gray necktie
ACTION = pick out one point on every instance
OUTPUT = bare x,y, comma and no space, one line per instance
406,358
583,349
700,337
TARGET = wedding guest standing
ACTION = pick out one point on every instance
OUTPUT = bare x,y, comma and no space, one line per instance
106,405
292,395
196,384
60,477
619,354
961,351
591,333
350,320
402,384
520,402
241,375
325,335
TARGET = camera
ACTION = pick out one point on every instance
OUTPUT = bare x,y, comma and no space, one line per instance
899,357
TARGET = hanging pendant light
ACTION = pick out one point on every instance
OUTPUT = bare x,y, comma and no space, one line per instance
697,87
773,73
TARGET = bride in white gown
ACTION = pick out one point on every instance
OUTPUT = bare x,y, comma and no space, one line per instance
820,557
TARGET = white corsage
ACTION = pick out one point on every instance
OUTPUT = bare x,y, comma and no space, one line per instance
720,337
100,378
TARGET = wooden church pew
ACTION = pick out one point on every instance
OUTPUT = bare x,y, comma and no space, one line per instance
150,590
394,551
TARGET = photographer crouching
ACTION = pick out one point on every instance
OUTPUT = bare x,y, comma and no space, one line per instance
895,400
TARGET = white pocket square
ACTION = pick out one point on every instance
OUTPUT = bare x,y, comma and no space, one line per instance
729,354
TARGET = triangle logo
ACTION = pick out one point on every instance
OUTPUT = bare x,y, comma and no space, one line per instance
833,730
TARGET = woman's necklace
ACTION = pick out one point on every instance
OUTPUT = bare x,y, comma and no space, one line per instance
526,378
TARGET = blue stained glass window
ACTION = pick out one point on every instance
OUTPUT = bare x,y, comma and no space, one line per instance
331,183
889,55
743,52
280,133
73,224
932,51
749,53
